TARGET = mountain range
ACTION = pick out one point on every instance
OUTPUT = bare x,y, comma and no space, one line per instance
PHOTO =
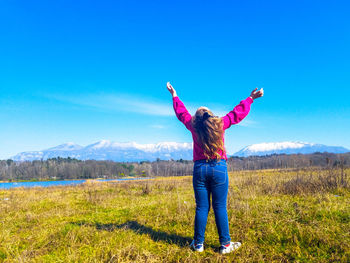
262,149
131,151
115,151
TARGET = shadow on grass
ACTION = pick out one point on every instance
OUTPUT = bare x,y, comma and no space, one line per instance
155,235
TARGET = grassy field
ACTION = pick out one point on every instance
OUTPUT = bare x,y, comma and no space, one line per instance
278,215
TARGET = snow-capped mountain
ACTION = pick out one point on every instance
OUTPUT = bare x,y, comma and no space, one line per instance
115,151
261,149
69,146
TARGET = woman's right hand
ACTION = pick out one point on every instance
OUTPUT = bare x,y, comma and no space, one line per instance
171,89
257,94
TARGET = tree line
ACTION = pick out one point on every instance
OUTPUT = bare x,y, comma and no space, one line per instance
69,168
280,161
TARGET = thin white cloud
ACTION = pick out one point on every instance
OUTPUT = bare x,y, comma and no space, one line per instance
119,102
247,123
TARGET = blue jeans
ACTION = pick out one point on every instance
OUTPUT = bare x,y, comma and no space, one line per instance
210,178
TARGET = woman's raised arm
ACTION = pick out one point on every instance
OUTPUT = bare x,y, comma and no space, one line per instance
241,110
180,110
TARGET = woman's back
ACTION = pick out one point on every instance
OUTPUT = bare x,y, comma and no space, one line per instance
233,117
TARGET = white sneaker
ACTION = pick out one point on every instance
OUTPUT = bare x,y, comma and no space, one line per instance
197,247
224,249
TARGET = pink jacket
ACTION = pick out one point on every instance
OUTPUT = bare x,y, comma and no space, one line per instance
233,117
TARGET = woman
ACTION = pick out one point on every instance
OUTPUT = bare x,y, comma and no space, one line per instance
210,170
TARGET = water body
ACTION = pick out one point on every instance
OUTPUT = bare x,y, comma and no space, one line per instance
59,183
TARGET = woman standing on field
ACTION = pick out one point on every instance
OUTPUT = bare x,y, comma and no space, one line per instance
210,170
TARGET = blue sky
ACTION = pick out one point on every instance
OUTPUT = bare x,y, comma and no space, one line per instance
82,71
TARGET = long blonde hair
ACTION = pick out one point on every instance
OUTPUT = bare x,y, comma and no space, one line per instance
209,131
